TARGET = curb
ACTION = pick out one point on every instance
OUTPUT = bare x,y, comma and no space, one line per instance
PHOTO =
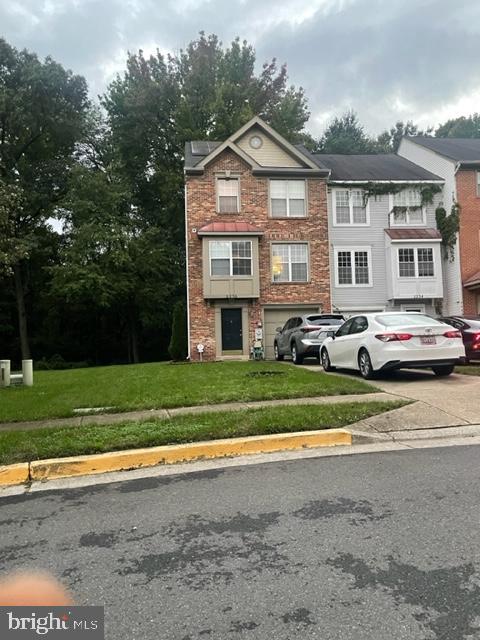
170,454
14,474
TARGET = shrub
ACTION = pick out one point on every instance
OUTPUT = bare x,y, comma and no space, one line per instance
178,342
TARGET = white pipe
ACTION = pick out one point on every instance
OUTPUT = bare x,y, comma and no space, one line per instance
27,370
186,269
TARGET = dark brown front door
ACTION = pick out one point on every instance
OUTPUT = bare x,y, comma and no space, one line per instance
232,330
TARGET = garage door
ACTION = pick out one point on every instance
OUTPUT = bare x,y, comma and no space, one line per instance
276,317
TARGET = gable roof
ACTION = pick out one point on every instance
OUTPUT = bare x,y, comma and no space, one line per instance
463,150
378,167
199,152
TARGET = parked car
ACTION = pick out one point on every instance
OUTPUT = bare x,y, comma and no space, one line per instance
385,341
301,336
469,327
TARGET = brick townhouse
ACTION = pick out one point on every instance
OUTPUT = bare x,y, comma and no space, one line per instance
257,239
457,160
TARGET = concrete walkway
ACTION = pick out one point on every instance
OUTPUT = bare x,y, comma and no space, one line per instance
113,418
438,402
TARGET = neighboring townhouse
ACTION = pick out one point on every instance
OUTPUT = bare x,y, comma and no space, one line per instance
457,160
256,237
385,251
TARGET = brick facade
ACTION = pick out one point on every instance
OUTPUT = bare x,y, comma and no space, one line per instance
469,202
201,209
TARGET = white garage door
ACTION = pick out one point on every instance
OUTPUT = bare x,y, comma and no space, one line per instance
276,317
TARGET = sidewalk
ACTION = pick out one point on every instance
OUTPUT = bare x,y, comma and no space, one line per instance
165,414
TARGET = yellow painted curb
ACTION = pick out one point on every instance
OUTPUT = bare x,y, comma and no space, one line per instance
14,474
136,458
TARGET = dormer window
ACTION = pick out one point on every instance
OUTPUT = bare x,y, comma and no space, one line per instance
228,195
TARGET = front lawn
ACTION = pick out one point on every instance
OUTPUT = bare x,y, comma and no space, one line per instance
56,394
469,370
25,446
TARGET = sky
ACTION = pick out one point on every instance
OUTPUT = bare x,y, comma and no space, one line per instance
388,60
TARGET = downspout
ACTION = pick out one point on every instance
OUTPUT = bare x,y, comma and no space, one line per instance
186,270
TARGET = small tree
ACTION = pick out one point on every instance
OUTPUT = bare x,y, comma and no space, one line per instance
178,342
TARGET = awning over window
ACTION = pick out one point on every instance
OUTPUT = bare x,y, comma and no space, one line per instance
413,234
473,282
229,228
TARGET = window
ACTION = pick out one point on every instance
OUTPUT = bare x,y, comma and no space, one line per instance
345,328
413,263
359,325
230,258
416,308
290,262
287,198
353,267
350,207
227,195
410,210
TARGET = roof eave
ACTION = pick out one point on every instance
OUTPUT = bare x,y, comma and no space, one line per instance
395,181
290,171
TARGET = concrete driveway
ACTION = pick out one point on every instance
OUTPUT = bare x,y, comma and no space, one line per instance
439,402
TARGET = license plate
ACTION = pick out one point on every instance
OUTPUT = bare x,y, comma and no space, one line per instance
428,340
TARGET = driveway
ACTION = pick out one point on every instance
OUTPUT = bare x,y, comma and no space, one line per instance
438,402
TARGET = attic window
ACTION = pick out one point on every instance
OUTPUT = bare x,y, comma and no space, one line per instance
255,142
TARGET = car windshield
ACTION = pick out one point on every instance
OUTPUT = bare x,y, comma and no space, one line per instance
324,321
401,319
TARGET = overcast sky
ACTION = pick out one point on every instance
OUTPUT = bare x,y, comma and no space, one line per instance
387,59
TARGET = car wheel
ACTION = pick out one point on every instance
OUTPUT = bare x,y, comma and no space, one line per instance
365,365
296,357
325,360
443,370
278,355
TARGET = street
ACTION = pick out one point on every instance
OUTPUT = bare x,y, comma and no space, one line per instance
374,546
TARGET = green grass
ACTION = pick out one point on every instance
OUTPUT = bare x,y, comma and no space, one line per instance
472,370
56,394
24,446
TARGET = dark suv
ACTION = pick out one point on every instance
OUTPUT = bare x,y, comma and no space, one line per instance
470,329
302,336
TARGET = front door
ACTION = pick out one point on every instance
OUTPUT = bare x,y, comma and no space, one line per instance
232,339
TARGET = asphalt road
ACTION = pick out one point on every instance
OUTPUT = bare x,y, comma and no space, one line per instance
378,546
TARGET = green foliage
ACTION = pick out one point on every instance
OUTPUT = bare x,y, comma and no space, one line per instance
389,140
178,347
448,225
345,134
462,127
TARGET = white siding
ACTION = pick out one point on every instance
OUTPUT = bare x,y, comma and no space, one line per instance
349,299
270,153
440,166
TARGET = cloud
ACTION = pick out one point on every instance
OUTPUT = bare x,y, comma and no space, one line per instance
387,59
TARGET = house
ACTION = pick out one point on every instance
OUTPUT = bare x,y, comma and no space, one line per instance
385,251
457,161
257,246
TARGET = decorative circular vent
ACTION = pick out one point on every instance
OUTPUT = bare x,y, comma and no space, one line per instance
256,142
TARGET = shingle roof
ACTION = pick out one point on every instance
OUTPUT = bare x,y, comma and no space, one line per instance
372,167
225,228
413,234
459,149
197,150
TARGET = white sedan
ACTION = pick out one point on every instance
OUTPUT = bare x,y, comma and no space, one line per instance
376,342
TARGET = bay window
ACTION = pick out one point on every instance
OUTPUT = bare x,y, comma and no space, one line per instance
230,257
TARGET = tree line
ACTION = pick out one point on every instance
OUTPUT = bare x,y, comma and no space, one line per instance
91,192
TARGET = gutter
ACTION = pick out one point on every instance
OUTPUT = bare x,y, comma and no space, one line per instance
387,181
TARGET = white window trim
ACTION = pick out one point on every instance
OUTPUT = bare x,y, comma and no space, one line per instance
287,215
407,223
352,250
217,192
230,275
406,307
478,183
415,262
351,223
290,281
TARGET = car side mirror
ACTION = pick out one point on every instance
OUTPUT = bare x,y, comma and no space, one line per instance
331,334
279,329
